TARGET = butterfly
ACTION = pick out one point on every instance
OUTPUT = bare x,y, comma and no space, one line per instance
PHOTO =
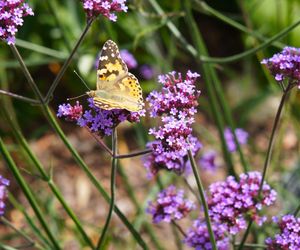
116,87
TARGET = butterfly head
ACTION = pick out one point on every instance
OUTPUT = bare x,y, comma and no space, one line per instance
91,93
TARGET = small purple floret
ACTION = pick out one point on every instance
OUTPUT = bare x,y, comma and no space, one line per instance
4,183
242,137
128,58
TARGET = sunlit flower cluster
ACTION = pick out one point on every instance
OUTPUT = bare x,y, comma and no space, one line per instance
285,65
11,17
98,120
107,8
176,106
289,236
232,202
3,193
170,205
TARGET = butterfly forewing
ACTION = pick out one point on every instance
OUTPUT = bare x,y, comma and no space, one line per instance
116,87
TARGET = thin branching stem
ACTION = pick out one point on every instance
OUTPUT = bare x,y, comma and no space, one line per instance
202,196
68,61
114,164
269,153
179,228
22,98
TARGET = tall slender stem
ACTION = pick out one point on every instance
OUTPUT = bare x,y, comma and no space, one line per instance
68,61
269,153
112,189
28,193
202,196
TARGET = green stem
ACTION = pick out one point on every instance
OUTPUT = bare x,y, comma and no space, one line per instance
203,5
22,98
211,81
37,164
202,196
255,246
68,61
27,192
269,152
112,189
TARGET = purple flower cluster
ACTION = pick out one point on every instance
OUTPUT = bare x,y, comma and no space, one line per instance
241,135
170,205
3,193
208,160
176,105
128,58
107,8
11,17
146,71
232,202
71,113
98,120
198,236
289,236
285,65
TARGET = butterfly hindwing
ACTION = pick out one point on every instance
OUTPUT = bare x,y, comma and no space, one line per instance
116,87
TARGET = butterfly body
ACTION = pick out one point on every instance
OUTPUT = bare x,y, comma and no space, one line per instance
116,87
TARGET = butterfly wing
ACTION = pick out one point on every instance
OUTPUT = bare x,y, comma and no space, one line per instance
116,87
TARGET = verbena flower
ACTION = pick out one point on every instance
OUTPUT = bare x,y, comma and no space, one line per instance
231,203
242,137
176,106
198,237
107,8
208,160
3,193
98,120
11,17
128,58
285,65
289,236
170,205
146,71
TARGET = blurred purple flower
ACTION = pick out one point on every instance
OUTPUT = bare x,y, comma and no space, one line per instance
232,202
128,59
146,71
170,205
11,16
176,105
242,137
198,237
98,120
289,236
4,183
207,160
285,65
107,8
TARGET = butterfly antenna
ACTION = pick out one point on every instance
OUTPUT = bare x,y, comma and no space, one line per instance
72,98
82,80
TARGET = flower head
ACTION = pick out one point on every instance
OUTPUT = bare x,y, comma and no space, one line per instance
208,160
107,8
285,65
289,236
128,59
3,193
146,71
242,137
232,202
11,17
176,106
170,205
198,236
98,120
